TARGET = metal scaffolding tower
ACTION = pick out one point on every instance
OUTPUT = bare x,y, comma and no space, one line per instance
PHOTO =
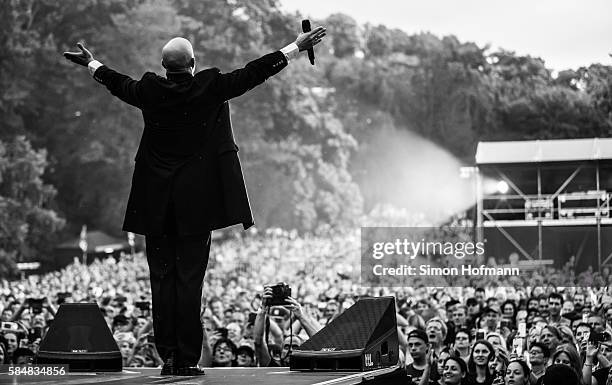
546,199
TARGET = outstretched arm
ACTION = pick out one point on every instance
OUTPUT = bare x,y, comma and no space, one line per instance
236,83
122,86
308,323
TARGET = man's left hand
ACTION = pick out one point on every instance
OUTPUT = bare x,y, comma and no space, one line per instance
81,58
308,40
294,306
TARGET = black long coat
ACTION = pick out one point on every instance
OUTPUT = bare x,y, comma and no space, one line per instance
187,167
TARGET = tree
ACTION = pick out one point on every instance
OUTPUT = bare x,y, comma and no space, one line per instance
597,82
531,104
344,34
298,167
28,224
378,40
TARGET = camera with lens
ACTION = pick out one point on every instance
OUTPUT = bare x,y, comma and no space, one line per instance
600,337
280,292
143,305
222,332
61,297
8,326
36,304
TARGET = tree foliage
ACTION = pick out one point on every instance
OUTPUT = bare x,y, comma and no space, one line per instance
27,223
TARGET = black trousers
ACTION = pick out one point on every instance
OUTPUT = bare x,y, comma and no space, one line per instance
177,266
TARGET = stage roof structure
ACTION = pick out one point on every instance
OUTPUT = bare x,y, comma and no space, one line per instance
546,199
544,151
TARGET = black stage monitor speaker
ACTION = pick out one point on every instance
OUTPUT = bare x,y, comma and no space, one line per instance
80,338
362,338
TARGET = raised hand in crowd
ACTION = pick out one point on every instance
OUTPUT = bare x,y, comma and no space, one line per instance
262,353
592,351
430,362
206,356
310,325
502,360
48,304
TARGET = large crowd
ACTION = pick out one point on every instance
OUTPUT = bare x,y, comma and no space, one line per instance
483,333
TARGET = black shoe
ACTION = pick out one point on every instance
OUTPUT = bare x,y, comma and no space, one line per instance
190,371
169,368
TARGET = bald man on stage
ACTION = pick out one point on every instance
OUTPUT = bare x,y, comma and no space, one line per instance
187,178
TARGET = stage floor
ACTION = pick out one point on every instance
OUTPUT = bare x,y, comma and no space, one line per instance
214,376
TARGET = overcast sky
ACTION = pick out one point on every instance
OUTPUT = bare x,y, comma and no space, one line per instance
565,33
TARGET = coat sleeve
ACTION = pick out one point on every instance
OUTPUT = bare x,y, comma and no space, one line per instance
226,86
122,86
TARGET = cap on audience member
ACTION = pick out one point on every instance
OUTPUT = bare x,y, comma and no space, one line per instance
490,309
247,349
451,303
120,320
420,334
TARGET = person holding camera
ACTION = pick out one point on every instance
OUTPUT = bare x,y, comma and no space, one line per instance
274,296
35,306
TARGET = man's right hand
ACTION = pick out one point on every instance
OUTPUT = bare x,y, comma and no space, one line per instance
81,58
592,350
307,40
294,306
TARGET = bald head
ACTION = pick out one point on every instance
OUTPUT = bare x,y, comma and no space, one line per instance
177,55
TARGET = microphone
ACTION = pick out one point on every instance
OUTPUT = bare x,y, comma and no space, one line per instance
306,28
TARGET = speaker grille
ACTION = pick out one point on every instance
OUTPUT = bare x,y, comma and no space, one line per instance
355,327
80,337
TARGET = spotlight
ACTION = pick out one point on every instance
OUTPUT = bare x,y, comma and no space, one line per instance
502,187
